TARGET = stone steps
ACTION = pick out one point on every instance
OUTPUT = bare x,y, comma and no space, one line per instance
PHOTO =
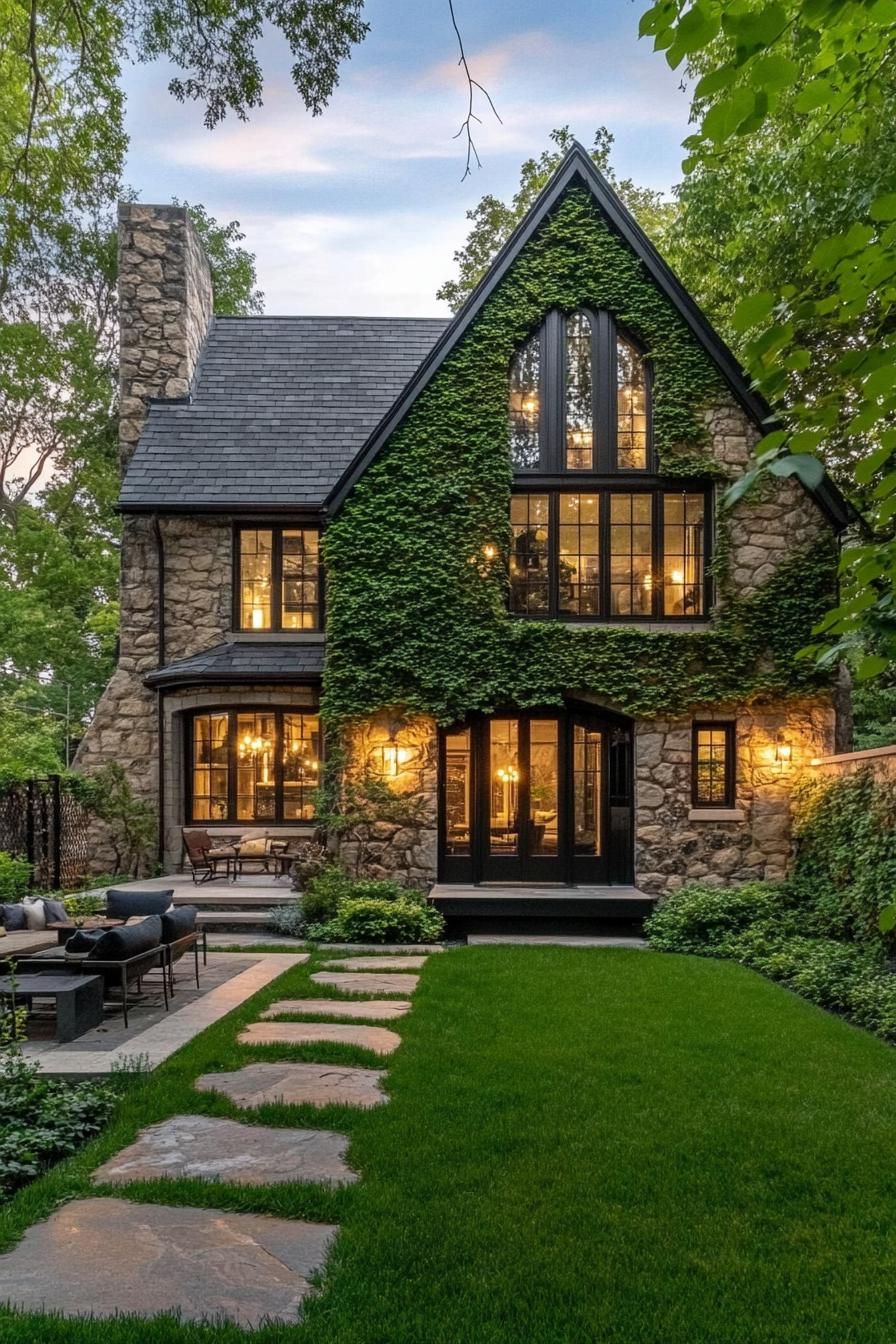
242,919
233,900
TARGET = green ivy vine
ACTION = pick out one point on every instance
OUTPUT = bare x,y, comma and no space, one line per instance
417,618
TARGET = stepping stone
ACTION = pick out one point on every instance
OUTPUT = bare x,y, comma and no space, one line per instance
297,1084
381,1010
377,964
109,1256
369,983
224,1150
378,1039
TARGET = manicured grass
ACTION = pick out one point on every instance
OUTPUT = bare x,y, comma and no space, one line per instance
581,1146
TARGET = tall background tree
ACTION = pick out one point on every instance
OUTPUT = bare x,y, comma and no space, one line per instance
62,149
790,188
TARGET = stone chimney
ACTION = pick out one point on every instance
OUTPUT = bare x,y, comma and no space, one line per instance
165,307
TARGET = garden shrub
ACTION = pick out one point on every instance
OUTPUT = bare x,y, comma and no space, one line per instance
366,919
324,892
701,917
845,868
288,919
41,1120
15,875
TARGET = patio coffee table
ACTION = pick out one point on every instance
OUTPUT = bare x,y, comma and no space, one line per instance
79,999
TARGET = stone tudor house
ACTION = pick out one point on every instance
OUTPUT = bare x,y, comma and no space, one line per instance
540,633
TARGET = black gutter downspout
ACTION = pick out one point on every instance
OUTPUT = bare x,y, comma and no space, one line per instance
160,694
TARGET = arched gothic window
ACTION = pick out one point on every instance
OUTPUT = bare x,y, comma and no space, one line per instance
631,408
525,398
579,393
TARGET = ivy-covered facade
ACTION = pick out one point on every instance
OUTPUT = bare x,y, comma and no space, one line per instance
518,638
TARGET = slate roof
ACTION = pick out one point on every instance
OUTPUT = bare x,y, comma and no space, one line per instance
243,661
280,408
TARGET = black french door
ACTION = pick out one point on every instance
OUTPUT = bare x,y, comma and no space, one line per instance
536,797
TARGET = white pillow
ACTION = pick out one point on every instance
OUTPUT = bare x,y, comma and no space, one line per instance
35,913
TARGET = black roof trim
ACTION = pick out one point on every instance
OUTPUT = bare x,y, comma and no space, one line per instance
578,167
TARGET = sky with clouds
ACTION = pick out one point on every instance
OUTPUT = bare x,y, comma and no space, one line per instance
359,210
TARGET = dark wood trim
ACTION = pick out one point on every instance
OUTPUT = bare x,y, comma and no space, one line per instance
728,727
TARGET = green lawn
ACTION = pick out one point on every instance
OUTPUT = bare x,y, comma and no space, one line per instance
581,1146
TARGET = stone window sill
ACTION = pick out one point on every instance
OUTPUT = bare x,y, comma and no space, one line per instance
717,814
276,637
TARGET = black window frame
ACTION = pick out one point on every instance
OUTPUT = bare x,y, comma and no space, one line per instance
580,483
727,726
276,529
233,712
552,397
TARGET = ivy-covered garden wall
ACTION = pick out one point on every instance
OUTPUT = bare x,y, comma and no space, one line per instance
417,615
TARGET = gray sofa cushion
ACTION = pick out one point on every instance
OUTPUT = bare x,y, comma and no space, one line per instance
178,923
129,940
55,910
83,942
13,917
127,904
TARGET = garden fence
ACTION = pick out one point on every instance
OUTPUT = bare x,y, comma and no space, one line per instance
42,820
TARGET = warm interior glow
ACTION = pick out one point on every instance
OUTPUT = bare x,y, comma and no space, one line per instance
257,618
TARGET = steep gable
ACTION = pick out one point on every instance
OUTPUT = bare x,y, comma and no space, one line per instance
636,259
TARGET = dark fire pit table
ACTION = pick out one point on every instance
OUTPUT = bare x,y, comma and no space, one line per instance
79,999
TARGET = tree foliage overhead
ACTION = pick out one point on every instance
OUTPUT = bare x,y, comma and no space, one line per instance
814,79
493,220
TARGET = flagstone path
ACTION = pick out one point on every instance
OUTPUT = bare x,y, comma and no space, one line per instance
378,1039
364,983
376,964
106,1256
110,1256
297,1084
382,1010
214,1149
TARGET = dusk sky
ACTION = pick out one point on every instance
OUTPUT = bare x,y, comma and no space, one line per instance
360,210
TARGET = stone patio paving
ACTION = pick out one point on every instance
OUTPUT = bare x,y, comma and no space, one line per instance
224,1150
378,1039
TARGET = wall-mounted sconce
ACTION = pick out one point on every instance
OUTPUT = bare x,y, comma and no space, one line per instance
783,751
390,759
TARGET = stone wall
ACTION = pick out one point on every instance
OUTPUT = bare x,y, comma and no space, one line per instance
403,842
777,518
675,843
165,307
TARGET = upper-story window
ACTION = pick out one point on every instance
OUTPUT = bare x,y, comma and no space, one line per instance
277,578
580,398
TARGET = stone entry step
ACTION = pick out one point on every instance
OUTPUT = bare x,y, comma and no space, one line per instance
207,898
108,1257
213,1149
378,1039
377,1009
252,918
376,964
297,1084
364,983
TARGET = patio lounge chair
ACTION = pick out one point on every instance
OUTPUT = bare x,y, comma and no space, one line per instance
203,858
179,934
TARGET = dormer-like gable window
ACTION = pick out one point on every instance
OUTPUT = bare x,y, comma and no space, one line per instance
579,398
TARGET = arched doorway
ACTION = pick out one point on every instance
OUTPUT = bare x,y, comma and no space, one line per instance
537,796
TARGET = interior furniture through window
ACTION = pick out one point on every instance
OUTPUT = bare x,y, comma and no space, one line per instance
609,554
253,765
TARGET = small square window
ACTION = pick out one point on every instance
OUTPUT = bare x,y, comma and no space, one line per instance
713,759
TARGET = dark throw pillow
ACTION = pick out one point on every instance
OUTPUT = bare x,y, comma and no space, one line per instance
56,911
127,904
129,941
13,917
82,943
178,923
